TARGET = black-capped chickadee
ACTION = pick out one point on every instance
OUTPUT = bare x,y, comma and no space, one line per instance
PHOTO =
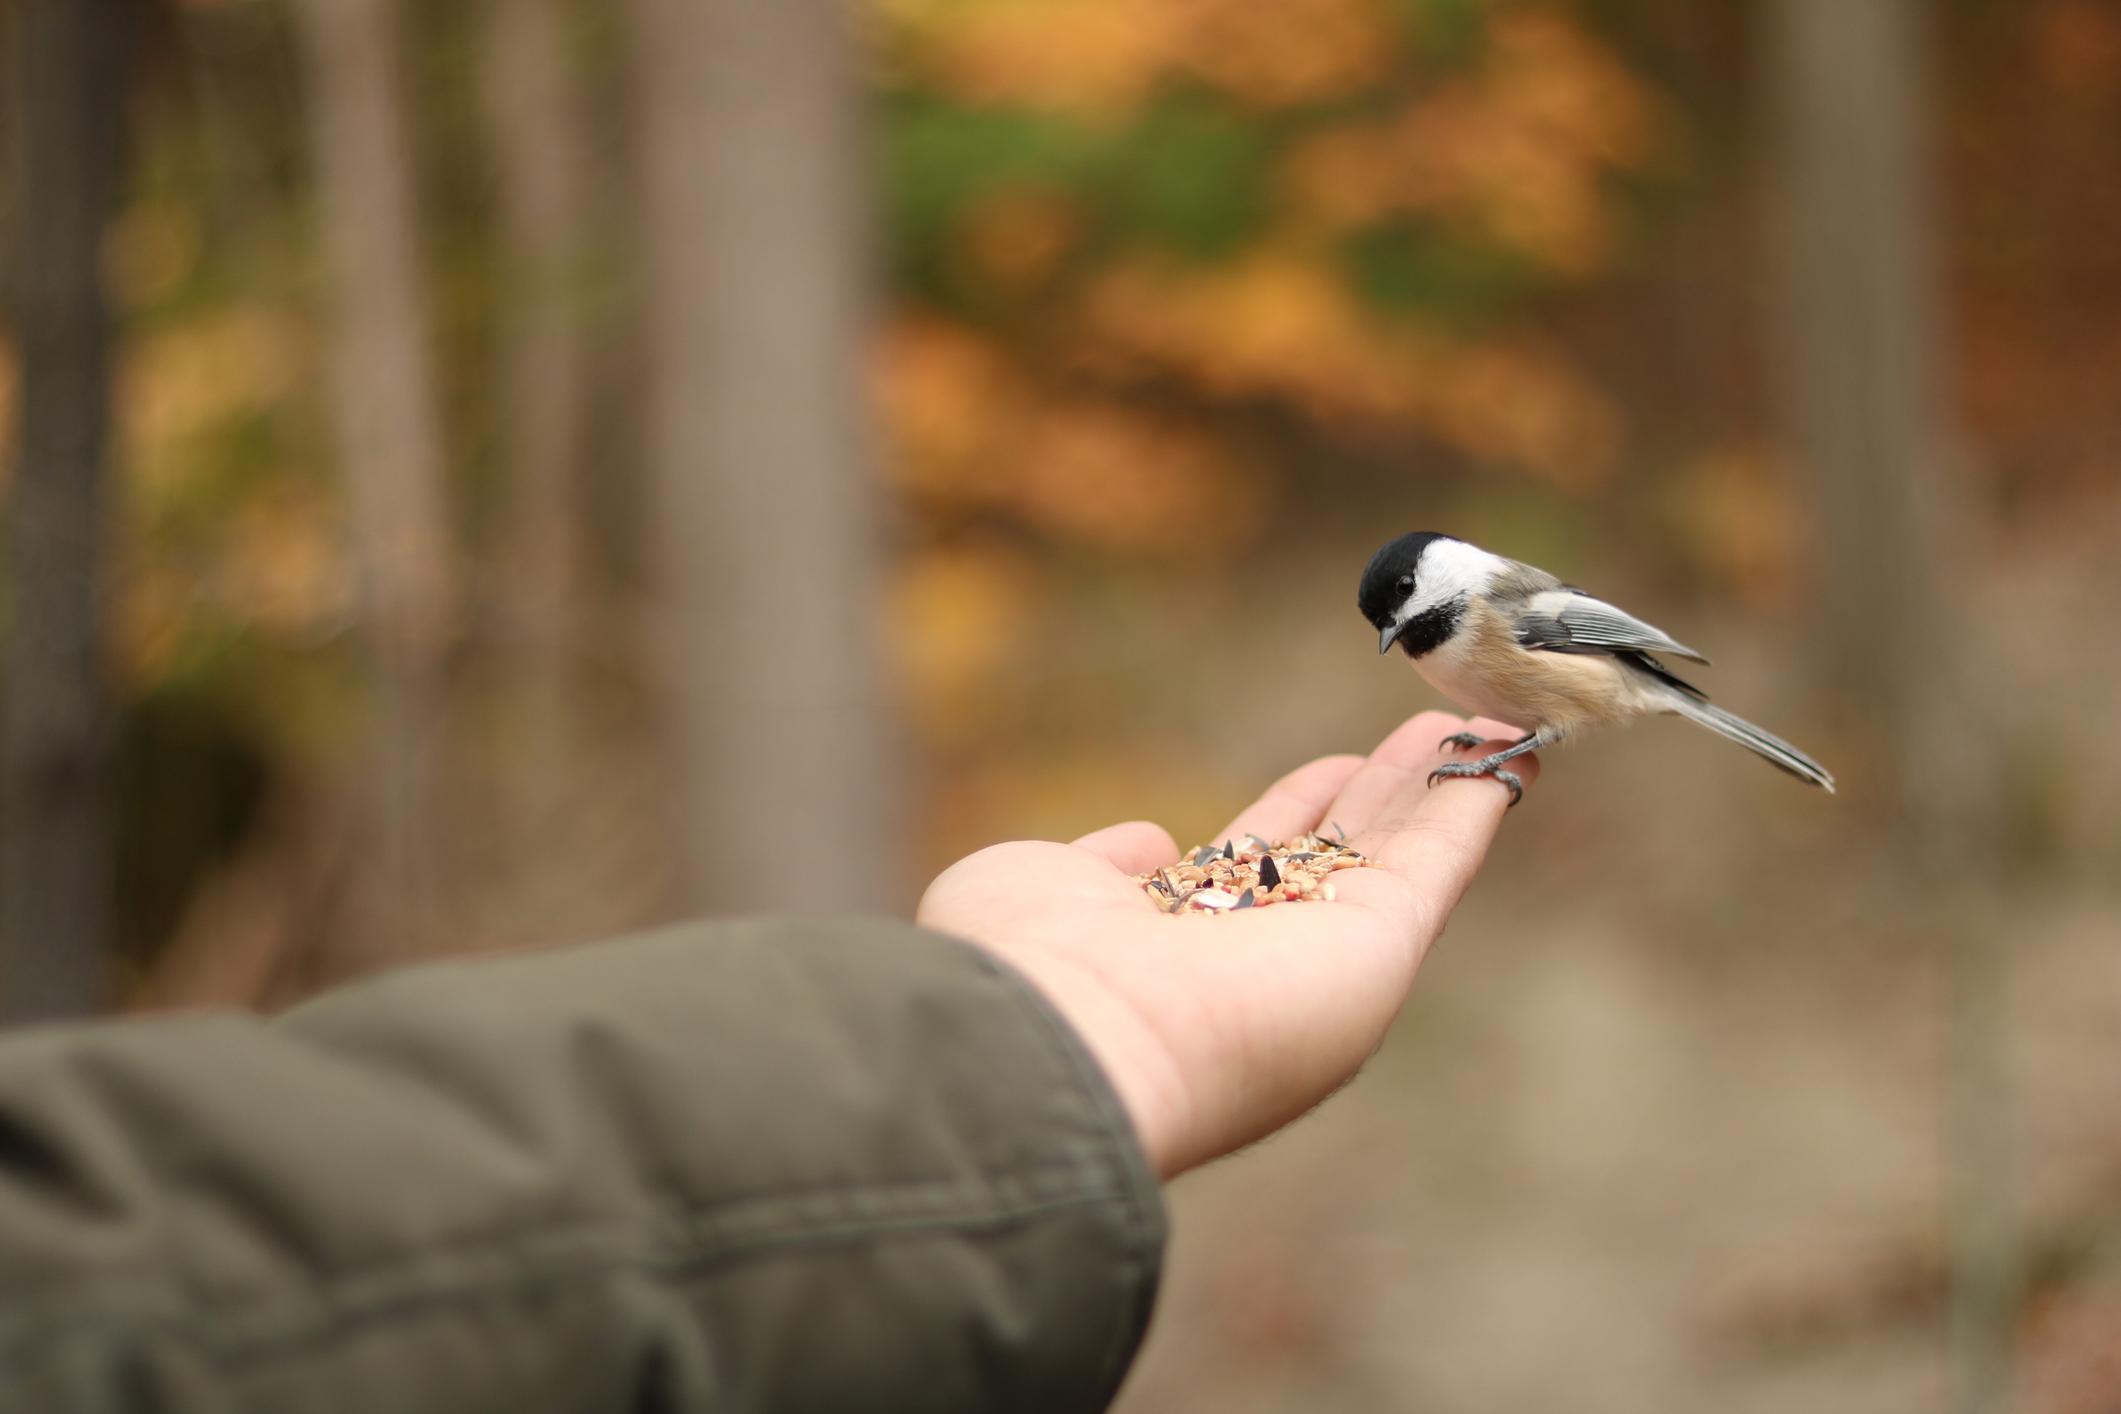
1508,641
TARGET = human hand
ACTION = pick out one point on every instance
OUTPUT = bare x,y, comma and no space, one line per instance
1218,1030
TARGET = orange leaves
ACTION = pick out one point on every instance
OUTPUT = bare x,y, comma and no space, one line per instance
262,552
182,381
1100,472
1554,78
1504,164
1017,235
973,430
945,392
1517,152
277,563
1524,146
2079,44
286,567
974,434
1278,324
1281,326
1739,516
1092,397
1288,52
960,616
1522,405
1089,57
1103,58
1345,177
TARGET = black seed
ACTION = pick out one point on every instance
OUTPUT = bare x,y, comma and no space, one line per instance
1228,853
1338,830
1264,845
1244,900
1301,855
1205,853
1269,876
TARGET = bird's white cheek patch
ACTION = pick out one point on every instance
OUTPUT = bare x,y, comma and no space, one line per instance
1450,571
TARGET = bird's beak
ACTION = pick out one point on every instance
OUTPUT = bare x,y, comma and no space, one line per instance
1384,640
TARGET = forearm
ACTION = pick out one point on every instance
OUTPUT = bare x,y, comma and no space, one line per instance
756,1165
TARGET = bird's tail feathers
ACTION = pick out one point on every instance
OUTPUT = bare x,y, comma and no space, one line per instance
1775,749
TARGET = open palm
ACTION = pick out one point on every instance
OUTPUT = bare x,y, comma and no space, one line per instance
1217,1030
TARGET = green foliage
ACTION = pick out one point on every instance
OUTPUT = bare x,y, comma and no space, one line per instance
1188,177
939,158
1407,267
1446,32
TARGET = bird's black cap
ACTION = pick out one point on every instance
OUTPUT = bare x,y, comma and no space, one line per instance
1380,595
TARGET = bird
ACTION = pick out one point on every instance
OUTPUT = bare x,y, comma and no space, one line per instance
1510,641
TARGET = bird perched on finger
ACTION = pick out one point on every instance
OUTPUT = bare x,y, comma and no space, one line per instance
1508,641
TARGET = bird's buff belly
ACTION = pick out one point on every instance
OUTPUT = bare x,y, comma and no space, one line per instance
1447,670
1554,694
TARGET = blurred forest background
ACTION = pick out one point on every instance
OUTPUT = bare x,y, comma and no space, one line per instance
489,473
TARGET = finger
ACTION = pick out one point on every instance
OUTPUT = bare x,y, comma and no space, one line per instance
1410,749
1296,803
1435,839
1415,799
1135,847
1495,736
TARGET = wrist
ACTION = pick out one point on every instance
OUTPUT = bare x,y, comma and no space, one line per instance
1135,1060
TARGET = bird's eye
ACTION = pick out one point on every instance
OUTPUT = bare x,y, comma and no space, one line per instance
1406,584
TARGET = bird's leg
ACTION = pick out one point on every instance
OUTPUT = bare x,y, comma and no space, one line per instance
1462,739
1488,766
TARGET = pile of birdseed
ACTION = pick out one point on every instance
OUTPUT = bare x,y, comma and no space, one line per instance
1251,875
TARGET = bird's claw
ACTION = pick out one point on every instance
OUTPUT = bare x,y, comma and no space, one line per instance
1482,768
1463,739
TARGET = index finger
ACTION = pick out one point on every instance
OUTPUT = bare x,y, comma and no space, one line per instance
1433,841
1295,803
1320,793
1407,755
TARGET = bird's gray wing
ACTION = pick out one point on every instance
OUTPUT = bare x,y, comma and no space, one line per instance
1567,620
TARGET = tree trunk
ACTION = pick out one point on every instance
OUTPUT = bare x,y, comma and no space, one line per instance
764,512
56,741
1861,327
535,123
390,445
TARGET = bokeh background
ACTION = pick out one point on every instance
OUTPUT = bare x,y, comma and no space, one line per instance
510,471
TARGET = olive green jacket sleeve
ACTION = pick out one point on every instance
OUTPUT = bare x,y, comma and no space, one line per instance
760,1165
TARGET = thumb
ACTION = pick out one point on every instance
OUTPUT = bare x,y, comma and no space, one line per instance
1133,848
